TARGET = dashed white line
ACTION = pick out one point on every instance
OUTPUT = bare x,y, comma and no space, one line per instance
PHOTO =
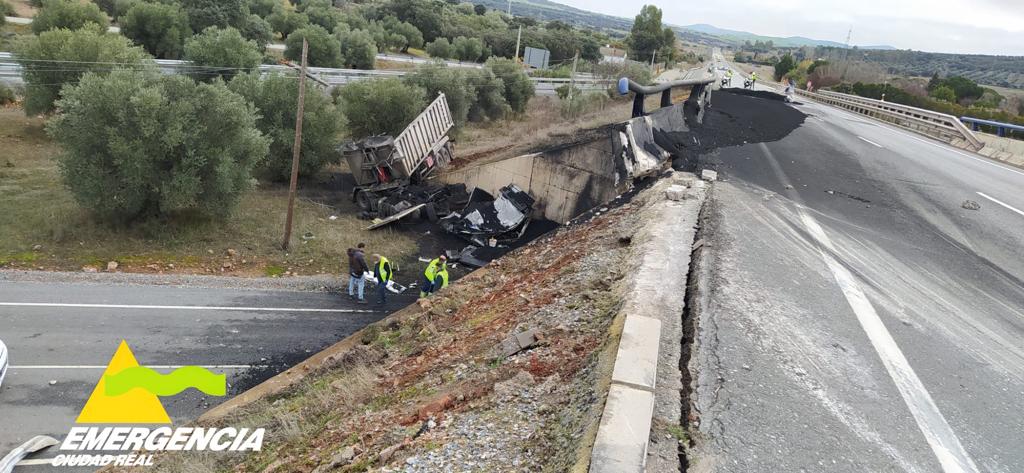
869,141
35,462
1004,204
182,307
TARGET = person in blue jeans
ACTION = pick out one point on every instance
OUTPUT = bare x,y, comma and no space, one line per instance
357,269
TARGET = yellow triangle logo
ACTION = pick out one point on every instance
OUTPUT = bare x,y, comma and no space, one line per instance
137,406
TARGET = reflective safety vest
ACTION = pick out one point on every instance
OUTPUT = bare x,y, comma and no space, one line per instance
384,270
441,278
433,267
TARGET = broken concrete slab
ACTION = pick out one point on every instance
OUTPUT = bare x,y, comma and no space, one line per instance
636,363
519,342
709,175
621,443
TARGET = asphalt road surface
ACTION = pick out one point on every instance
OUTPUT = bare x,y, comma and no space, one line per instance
61,336
859,312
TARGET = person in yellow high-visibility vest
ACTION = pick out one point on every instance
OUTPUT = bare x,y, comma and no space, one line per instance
384,273
430,274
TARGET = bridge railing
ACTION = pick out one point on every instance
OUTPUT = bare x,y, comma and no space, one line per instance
938,125
699,82
1001,128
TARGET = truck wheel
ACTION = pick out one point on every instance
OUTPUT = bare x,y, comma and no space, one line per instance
364,200
431,212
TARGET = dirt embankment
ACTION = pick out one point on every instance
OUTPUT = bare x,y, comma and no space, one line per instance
441,387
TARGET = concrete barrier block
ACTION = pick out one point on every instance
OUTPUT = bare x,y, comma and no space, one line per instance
636,363
621,443
676,192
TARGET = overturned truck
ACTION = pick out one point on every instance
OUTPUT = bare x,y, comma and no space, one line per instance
391,172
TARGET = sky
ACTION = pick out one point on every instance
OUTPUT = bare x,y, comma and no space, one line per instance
949,26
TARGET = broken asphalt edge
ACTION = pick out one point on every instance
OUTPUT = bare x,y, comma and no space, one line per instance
653,317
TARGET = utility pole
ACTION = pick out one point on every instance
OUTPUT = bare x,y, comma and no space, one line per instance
296,149
509,8
518,38
572,77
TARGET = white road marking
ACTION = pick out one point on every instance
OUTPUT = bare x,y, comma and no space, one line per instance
869,141
1004,204
156,367
182,307
35,462
940,436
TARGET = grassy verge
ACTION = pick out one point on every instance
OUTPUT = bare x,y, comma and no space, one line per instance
41,226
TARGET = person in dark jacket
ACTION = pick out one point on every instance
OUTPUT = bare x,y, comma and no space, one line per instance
357,269
383,272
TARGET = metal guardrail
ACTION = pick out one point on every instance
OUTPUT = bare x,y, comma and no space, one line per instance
940,125
10,70
700,93
977,123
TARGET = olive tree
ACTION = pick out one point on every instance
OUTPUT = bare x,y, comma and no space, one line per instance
159,28
358,50
383,106
324,49
258,30
70,14
203,14
518,86
139,144
90,49
467,49
221,52
440,48
438,78
286,21
275,97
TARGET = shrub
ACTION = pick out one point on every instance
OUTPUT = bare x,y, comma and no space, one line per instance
263,8
258,30
159,28
518,86
139,144
488,99
285,22
943,92
323,14
582,103
221,52
203,14
275,98
784,65
6,94
324,49
70,14
358,50
438,78
467,49
440,48
88,48
383,106
5,10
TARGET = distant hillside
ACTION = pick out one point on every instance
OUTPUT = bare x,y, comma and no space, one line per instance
738,37
545,10
1003,71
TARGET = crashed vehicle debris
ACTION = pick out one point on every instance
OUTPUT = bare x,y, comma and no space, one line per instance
488,222
391,173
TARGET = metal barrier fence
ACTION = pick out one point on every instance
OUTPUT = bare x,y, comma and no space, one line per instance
1001,128
10,70
938,125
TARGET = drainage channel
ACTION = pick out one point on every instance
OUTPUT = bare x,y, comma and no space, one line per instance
697,280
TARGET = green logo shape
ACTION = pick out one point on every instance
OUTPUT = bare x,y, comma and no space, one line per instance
166,384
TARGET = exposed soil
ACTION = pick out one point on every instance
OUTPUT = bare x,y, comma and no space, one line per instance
430,388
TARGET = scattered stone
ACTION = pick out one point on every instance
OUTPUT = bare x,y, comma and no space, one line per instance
332,217
437,406
709,175
231,252
227,265
112,266
971,205
519,342
89,269
512,386
789,186
830,191
386,454
424,303
37,247
53,382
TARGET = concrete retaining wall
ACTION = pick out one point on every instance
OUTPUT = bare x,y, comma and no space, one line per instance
565,181
1003,149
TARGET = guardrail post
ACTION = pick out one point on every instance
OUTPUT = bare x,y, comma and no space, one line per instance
666,98
1001,131
638,105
